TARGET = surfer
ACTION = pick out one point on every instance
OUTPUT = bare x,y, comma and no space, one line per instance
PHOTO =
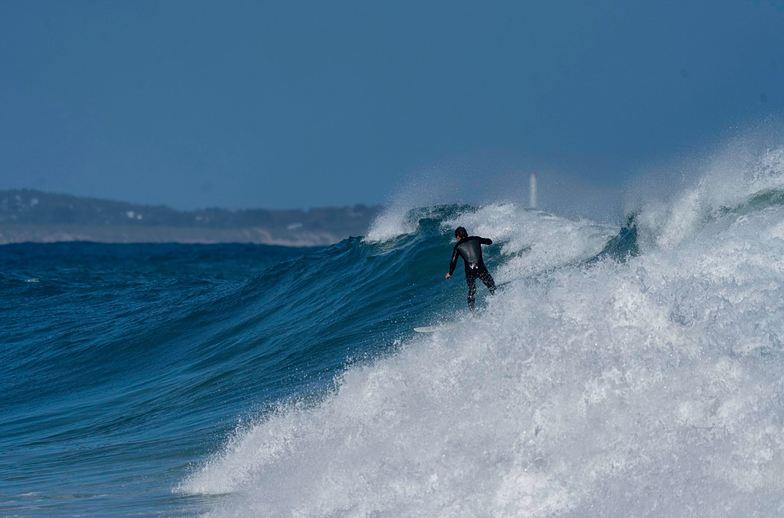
470,249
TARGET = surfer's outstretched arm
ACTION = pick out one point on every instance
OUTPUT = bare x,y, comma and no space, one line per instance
452,263
485,241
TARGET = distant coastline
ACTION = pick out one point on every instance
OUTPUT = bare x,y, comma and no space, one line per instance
42,217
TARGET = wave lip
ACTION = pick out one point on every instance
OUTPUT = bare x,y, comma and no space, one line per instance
735,178
390,223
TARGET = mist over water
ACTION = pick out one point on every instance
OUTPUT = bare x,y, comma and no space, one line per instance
646,385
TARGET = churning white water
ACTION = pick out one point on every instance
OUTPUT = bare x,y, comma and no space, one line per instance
651,387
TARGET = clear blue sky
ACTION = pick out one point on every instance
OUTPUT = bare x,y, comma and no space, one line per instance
294,104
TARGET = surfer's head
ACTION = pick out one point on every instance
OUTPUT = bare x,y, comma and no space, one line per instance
461,232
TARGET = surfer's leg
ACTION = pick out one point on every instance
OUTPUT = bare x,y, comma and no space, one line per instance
471,281
488,281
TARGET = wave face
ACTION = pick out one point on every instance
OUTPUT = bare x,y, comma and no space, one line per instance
617,372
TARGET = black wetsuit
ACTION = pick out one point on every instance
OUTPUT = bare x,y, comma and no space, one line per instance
470,249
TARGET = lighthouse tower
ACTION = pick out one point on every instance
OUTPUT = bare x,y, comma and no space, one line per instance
532,201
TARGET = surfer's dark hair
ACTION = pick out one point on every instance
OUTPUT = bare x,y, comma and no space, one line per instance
461,232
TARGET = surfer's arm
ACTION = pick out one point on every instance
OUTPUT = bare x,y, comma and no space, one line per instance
452,263
485,241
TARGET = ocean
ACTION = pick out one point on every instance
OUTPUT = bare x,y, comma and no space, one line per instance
628,370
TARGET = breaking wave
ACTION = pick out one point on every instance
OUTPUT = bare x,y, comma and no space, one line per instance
631,372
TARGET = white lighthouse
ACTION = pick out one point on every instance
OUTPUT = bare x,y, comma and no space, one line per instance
532,202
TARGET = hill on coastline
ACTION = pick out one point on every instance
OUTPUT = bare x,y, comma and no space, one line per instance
36,216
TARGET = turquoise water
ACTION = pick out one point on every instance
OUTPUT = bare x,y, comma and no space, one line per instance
630,371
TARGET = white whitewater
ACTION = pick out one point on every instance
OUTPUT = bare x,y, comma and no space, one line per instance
652,387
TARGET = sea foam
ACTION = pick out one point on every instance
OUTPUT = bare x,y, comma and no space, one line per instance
650,387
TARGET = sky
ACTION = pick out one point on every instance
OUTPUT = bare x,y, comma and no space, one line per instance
194,103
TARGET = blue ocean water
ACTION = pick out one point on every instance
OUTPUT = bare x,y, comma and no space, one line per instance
122,365
627,370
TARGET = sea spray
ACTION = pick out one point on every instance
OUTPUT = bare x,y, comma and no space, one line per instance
650,387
